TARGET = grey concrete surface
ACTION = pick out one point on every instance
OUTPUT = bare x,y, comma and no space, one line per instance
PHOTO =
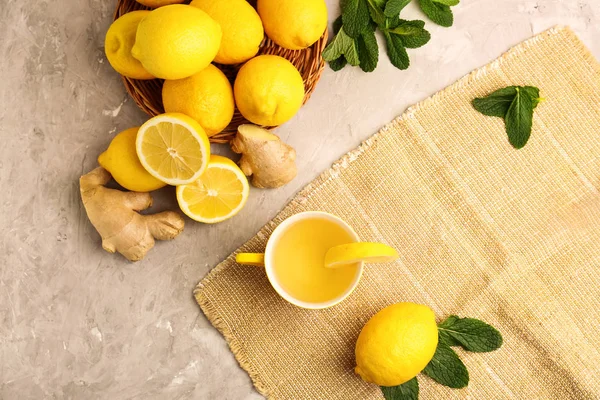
79,323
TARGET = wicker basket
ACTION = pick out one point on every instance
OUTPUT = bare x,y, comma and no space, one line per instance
148,94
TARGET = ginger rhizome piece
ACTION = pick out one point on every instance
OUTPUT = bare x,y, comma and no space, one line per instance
271,162
114,215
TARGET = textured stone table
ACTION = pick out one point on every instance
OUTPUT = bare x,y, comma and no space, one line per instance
79,323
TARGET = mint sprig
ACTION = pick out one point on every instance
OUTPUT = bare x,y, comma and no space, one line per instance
355,42
516,105
446,366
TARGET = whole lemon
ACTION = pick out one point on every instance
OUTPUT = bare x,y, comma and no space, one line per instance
241,26
268,90
293,24
118,43
176,41
396,344
206,96
121,160
158,3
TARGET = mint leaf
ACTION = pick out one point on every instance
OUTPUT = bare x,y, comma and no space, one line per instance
393,7
412,33
497,103
534,93
355,16
470,333
376,12
337,25
368,50
519,119
407,391
446,368
338,63
438,12
341,45
396,50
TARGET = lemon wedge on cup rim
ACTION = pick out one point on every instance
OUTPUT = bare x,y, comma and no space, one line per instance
219,194
370,253
173,148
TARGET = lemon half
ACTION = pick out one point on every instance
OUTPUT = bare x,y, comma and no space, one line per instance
219,194
173,148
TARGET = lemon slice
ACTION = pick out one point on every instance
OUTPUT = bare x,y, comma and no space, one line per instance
173,148
220,193
351,253
255,259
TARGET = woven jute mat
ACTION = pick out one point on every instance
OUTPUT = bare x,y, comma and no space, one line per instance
483,230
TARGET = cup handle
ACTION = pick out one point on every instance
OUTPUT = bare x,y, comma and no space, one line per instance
255,259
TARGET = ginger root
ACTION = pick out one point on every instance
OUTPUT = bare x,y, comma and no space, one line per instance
271,162
114,215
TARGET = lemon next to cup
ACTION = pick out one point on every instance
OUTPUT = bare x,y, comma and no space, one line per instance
118,43
396,344
218,194
121,160
173,148
268,90
176,41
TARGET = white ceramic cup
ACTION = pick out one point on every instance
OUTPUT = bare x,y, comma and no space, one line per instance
257,259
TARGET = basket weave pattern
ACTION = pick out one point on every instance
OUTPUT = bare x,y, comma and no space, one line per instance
148,94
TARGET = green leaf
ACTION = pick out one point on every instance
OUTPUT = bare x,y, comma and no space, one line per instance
355,16
368,50
376,12
470,333
337,25
519,119
412,33
445,338
534,93
338,63
407,391
439,13
446,368
497,103
394,7
342,45
396,51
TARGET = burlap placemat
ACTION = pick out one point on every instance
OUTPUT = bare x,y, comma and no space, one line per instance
483,230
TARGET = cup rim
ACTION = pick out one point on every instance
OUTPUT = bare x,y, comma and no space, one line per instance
269,265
